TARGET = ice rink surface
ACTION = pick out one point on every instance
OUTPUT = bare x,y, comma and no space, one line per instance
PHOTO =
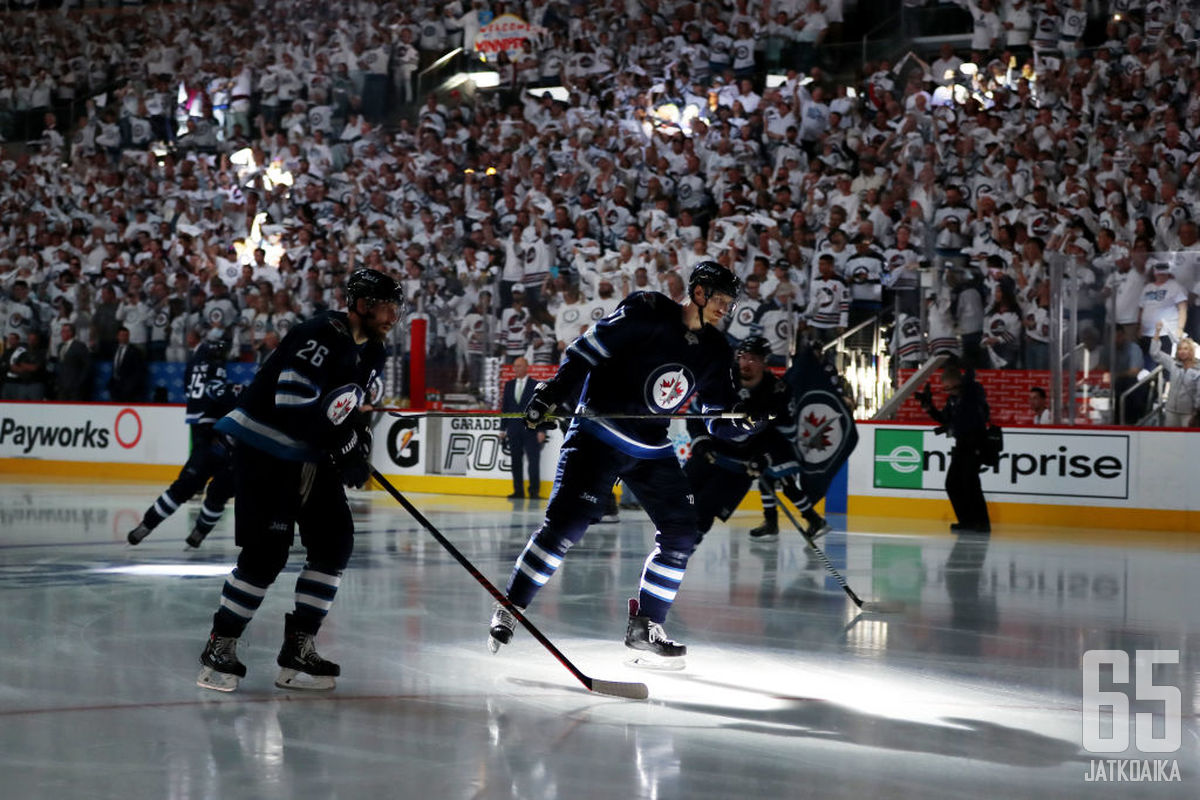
974,690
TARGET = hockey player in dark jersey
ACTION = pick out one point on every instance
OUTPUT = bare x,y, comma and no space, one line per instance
302,434
209,397
721,471
646,358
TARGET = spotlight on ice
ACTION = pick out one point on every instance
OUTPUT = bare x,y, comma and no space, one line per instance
168,570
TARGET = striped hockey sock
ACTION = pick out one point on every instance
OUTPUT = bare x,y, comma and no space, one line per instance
163,507
535,566
661,577
239,600
793,492
208,518
315,591
770,512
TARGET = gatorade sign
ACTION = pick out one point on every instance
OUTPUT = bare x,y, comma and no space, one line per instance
1033,463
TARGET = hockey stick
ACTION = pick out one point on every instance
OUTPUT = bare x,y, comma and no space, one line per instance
405,412
633,691
878,608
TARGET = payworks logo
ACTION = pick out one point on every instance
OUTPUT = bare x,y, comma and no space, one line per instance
899,459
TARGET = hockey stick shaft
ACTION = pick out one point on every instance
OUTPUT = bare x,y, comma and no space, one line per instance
824,559
406,412
635,691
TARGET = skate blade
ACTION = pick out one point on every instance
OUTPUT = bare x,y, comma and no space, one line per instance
293,679
494,644
774,537
821,531
657,663
209,678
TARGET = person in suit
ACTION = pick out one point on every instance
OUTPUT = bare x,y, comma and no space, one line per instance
72,374
128,381
524,444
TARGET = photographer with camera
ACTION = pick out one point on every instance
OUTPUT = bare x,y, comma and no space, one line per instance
965,419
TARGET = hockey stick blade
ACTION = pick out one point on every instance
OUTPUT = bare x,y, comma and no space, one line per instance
633,691
886,607
872,607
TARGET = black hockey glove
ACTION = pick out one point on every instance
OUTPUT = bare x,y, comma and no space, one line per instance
757,464
540,411
353,458
702,447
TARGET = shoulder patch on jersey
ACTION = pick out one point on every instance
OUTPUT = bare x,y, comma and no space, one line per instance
341,402
374,388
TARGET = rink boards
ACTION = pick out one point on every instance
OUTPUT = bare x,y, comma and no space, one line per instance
1138,478
1102,477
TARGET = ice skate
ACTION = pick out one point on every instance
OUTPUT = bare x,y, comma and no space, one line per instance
767,532
137,534
817,526
220,670
501,630
300,666
196,537
654,649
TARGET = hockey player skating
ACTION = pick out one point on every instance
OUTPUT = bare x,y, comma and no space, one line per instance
722,471
648,356
302,435
209,397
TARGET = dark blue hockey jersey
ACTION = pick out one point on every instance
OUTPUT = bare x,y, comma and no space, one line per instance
771,399
643,359
301,404
209,395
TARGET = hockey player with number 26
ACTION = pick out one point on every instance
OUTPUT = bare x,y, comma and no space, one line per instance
646,358
302,435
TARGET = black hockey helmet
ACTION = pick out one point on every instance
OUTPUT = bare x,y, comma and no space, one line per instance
715,279
754,345
215,346
373,286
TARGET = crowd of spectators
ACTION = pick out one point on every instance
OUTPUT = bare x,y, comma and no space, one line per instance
234,171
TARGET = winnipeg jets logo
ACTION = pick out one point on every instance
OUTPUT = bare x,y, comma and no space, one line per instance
820,431
668,387
342,403
691,338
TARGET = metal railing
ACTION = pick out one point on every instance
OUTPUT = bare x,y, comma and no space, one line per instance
917,379
864,369
840,341
436,73
1154,376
